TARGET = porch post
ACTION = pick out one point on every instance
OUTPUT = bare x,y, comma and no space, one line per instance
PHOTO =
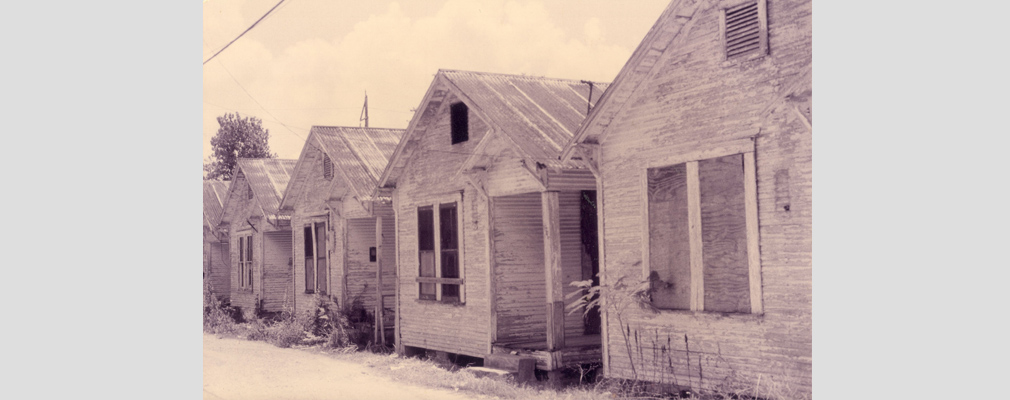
380,328
552,269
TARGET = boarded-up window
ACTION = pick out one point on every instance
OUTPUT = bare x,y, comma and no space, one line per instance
460,123
744,29
705,265
314,237
439,259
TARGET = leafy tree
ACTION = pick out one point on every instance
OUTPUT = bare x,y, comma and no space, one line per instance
238,137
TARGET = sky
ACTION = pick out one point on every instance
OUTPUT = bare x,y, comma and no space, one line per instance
310,62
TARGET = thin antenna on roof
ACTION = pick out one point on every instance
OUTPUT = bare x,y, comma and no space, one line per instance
589,105
364,112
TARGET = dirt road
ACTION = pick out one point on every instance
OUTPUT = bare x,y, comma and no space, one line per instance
236,369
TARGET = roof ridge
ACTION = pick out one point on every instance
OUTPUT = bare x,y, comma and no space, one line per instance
521,76
355,127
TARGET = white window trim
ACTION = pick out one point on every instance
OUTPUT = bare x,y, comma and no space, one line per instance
243,270
739,146
434,203
311,223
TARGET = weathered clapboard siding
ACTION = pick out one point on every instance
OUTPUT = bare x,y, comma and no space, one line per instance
360,272
277,288
460,329
219,268
250,211
695,101
519,268
344,201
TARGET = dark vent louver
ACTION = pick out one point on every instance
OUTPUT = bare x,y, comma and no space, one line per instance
743,30
327,167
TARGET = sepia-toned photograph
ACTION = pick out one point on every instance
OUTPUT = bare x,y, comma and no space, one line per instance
507,199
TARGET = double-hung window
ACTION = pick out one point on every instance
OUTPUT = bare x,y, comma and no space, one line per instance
314,237
245,261
702,231
439,256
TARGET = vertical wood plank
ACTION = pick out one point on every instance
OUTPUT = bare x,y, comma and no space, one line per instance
396,289
600,235
694,237
552,269
461,245
492,290
753,243
436,222
646,254
762,26
379,306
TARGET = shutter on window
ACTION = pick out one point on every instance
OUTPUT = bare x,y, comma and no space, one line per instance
743,30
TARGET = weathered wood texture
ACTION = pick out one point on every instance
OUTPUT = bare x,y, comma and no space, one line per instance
277,289
456,328
218,268
519,268
360,271
269,279
692,101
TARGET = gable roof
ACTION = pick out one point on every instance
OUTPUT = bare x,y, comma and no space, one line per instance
359,154
214,193
539,115
677,18
268,178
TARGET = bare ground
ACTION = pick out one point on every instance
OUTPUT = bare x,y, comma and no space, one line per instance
235,369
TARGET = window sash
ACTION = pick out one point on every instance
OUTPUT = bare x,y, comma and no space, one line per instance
440,270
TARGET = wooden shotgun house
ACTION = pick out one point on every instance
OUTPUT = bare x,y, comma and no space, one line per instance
703,149
342,230
216,264
260,238
489,223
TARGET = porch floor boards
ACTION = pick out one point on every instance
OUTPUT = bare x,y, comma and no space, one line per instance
582,349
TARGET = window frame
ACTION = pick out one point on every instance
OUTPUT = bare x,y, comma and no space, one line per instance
312,226
745,147
245,261
438,280
762,49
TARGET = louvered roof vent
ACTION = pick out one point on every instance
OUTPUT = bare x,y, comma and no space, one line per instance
327,167
744,29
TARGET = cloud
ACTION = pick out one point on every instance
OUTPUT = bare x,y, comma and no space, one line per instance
393,55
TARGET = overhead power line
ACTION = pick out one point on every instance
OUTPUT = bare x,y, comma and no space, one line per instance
243,32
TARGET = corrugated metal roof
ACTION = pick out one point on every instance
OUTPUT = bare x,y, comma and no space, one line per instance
214,193
541,115
361,154
268,178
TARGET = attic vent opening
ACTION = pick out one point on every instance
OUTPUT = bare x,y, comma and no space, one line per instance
327,168
460,123
744,29
249,192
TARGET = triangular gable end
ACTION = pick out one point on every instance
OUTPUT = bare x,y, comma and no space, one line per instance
670,29
432,104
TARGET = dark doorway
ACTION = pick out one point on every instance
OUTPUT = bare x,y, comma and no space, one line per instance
590,254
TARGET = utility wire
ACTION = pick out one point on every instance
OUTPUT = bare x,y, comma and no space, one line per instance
243,32
257,101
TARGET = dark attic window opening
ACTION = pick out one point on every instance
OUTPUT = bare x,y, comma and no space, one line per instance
249,193
460,123
327,168
745,29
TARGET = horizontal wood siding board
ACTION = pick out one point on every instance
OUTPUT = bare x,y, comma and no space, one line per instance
697,101
519,268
